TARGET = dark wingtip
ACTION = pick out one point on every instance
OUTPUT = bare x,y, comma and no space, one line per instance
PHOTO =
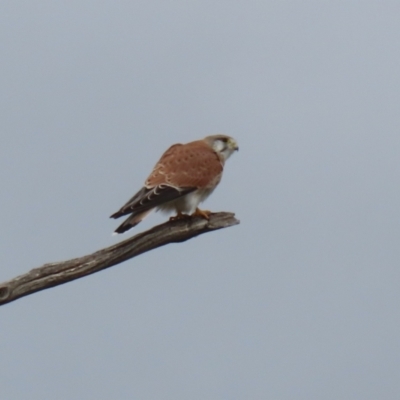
116,215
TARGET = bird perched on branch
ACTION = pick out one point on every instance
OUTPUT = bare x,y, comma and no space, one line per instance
185,175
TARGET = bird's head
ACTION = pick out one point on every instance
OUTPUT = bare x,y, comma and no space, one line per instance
222,145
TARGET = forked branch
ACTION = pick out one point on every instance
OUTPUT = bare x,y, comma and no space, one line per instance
57,273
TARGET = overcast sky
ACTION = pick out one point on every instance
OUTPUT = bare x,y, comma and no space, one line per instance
299,301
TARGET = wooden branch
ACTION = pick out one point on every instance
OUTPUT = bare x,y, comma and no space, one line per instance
57,273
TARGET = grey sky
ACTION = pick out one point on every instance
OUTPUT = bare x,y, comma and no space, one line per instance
301,300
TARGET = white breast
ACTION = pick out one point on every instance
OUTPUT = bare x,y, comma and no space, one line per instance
187,204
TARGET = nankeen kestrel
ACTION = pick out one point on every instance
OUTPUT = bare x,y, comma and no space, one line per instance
185,175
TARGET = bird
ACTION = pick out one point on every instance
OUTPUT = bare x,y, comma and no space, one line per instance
185,175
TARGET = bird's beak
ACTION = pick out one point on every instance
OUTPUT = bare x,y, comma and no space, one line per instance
234,145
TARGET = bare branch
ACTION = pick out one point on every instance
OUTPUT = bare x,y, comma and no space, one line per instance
57,273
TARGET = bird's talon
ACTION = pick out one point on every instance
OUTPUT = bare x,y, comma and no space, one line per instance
201,213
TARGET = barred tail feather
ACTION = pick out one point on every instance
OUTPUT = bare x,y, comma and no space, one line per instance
132,221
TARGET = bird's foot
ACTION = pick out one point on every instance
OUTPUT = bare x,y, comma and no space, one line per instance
201,213
179,216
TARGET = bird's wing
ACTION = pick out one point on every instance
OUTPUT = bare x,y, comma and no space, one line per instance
146,199
192,165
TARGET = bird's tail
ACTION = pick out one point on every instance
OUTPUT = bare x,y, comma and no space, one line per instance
132,221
